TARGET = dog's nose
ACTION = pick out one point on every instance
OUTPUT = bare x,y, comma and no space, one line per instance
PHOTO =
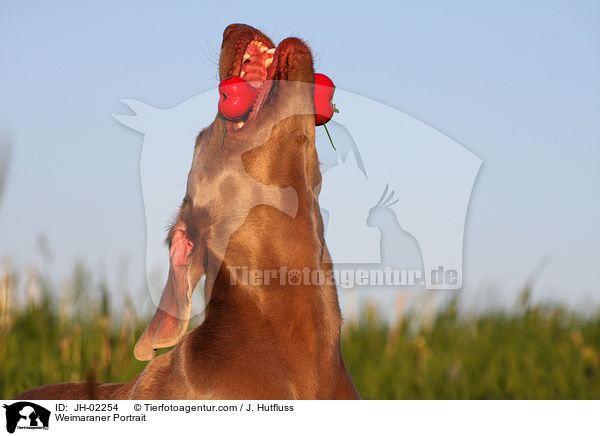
229,29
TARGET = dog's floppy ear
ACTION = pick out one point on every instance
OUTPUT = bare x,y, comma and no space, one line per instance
170,321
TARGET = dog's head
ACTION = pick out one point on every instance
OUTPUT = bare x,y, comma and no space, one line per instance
248,53
238,165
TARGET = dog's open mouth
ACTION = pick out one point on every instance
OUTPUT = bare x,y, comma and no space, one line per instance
249,54
257,68
255,63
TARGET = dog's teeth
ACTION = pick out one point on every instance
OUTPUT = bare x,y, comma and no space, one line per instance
246,57
268,62
239,124
271,51
242,74
263,48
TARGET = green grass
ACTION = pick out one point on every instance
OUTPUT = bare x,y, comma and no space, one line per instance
533,351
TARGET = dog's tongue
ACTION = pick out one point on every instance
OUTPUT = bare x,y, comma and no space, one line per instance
254,68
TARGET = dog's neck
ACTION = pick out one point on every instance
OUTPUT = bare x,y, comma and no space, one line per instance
257,290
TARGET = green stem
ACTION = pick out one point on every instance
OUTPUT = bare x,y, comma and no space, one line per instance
329,136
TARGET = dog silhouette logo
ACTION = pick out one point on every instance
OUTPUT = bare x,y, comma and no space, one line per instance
26,415
420,227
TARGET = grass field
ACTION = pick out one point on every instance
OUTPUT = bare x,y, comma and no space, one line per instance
533,351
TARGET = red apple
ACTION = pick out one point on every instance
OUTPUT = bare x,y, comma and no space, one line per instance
236,98
324,89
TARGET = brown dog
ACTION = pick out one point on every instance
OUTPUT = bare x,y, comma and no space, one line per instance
251,201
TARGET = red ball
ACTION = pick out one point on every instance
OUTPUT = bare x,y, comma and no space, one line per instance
236,98
324,89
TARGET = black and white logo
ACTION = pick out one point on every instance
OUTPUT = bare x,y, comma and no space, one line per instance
26,415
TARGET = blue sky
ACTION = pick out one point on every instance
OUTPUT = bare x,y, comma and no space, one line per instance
517,84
